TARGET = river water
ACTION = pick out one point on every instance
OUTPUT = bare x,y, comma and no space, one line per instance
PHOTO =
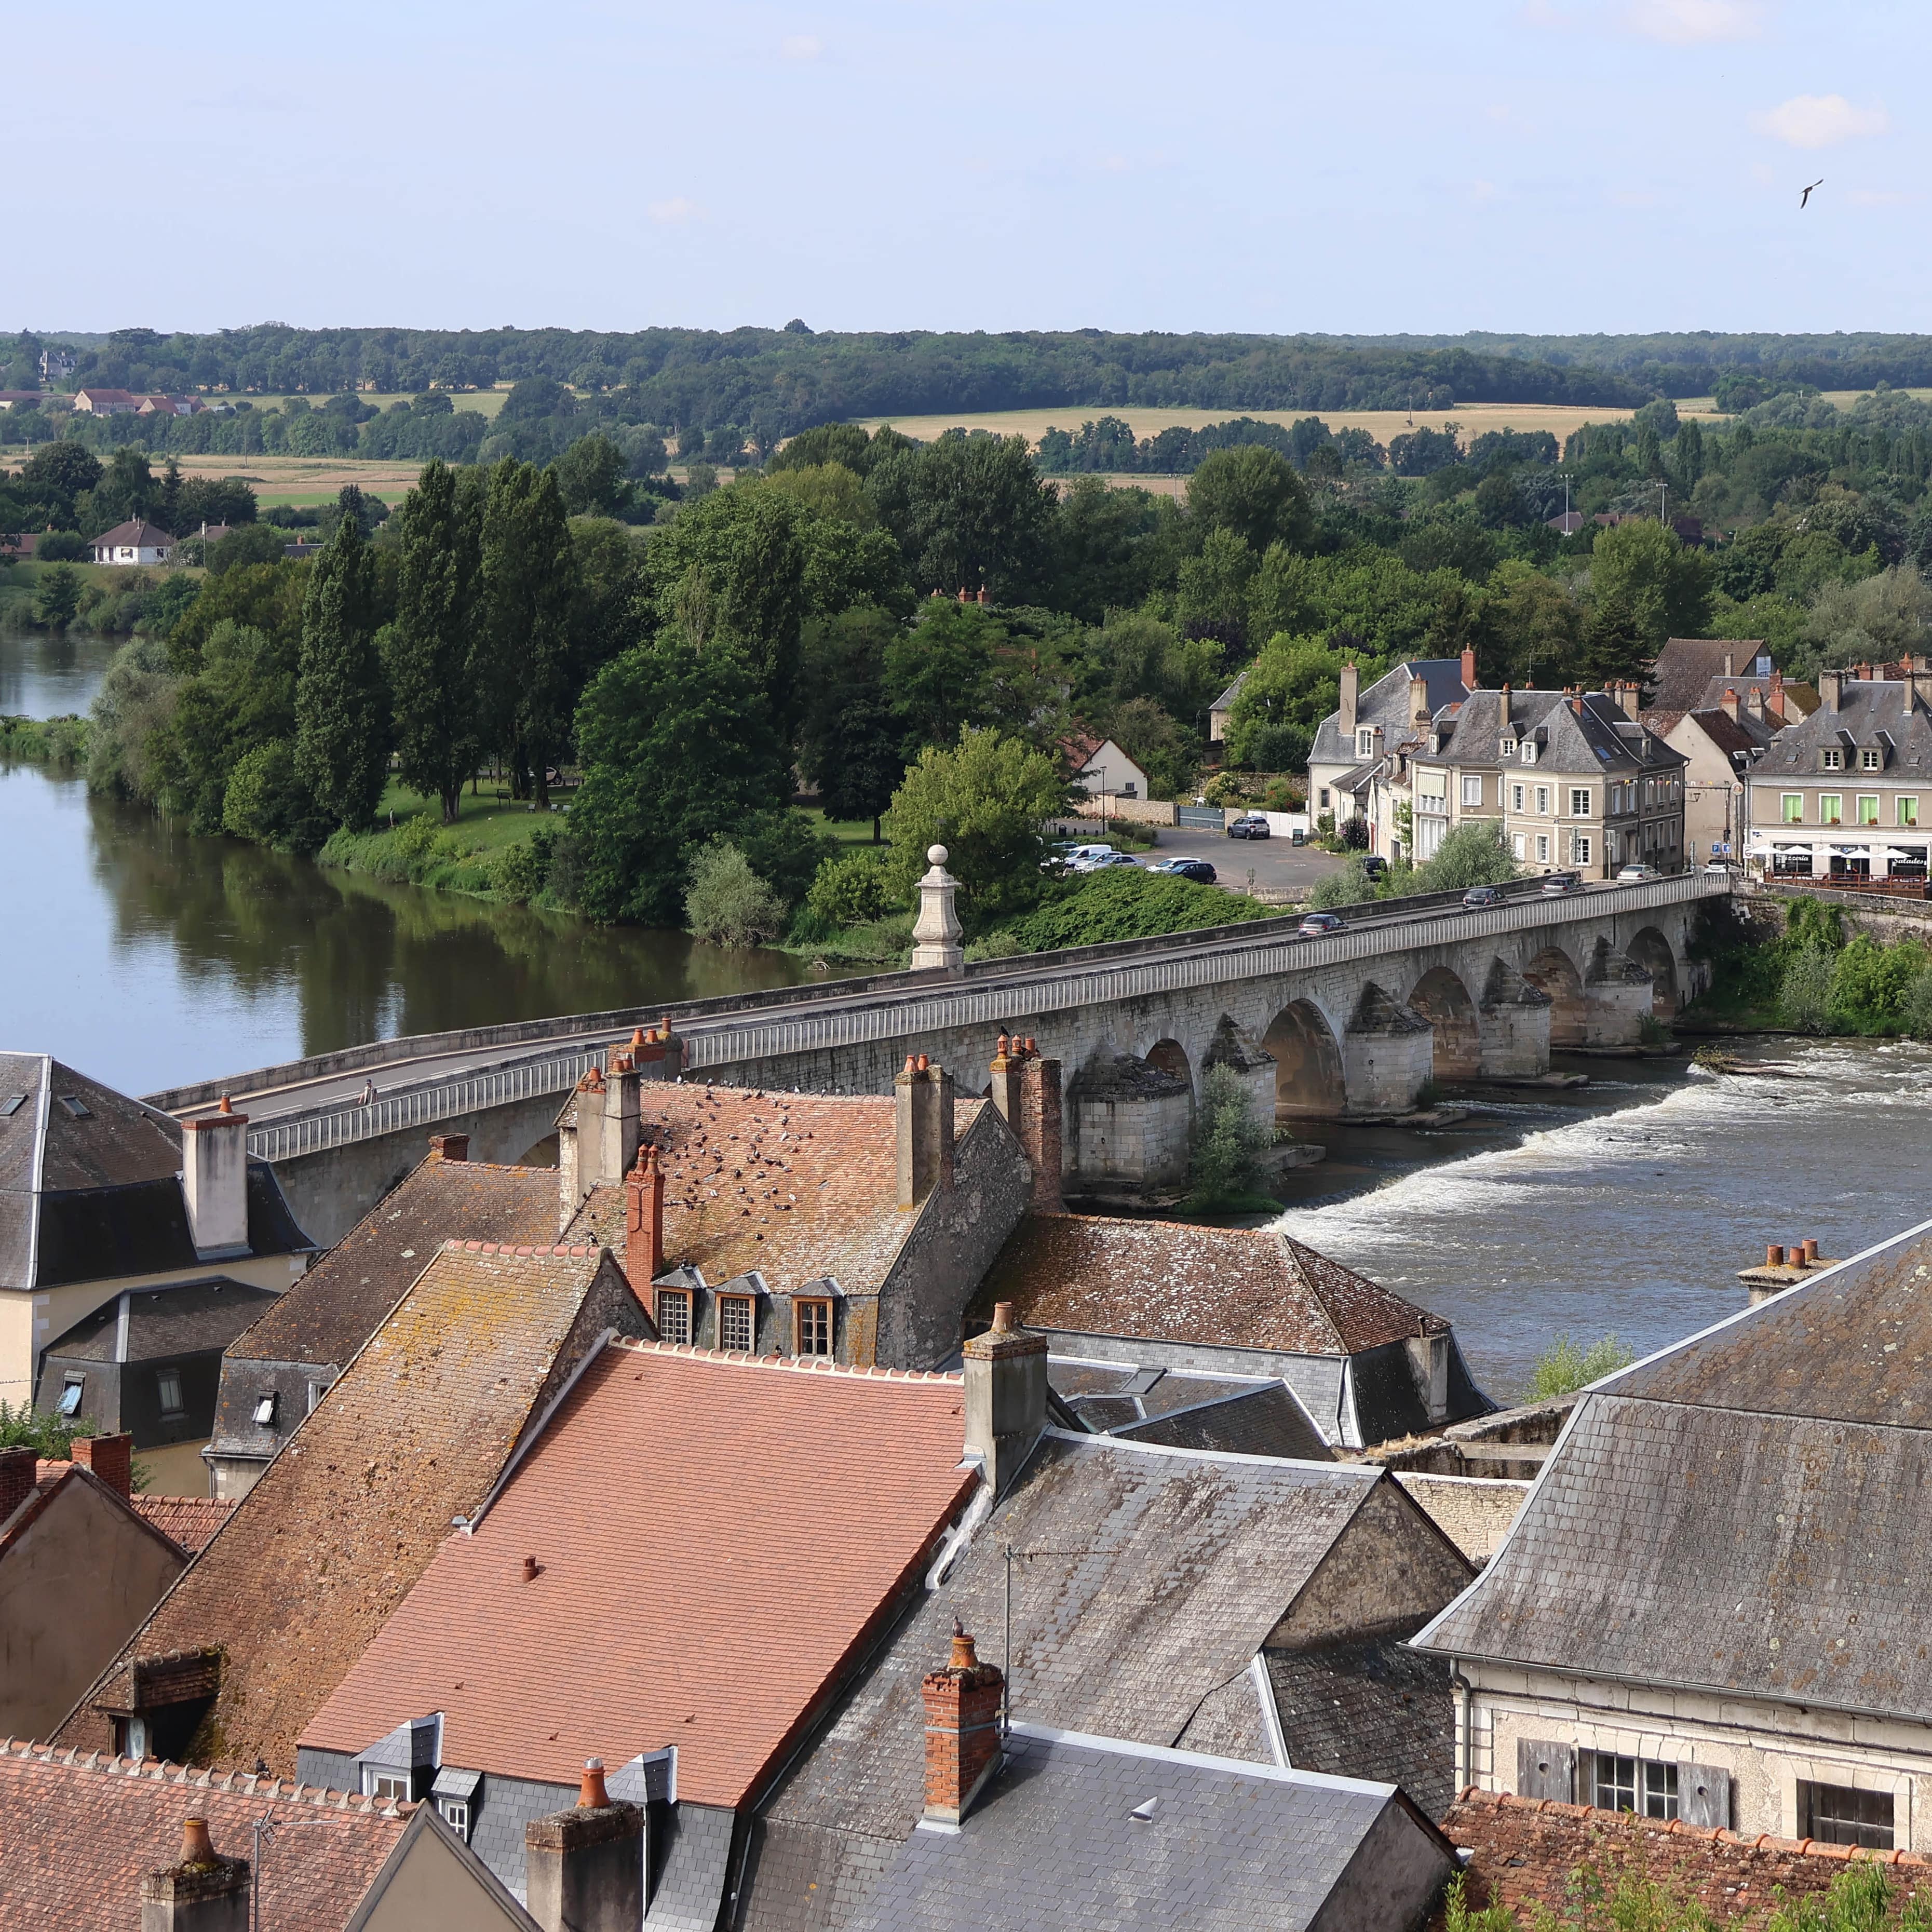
149,958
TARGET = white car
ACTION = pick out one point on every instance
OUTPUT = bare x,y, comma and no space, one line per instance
1101,861
1636,874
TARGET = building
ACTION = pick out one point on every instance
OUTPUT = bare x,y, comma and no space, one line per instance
1252,1415
98,402
1838,795
1575,783
170,406
416,1431
102,1195
136,542
1692,673
81,1566
1719,744
1220,715
1103,769
1711,1608
1368,726
56,364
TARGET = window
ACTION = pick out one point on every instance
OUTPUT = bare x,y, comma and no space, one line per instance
1831,808
1908,811
1871,759
814,1327
167,1383
1472,788
674,1314
1515,798
1365,742
265,1411
76,1106
1324,798
317,1390
1867,809
1579,849
1543,801
1660,1790
1529,751
737,1323
1579,803
1836,1815
393,1785
455,1813
1507,749
1636,1784
1543,848
1834,760
1615,1783
1792,805
1516,843
70,1395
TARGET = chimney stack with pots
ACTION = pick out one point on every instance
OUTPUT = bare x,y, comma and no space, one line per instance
19,1471
1469,668
214,1179
962,1729
1775,703
110,1457
449,1146
1026,1091
584,1868
623,1130
1351,684
1503,707
1730,705
922,1123
643,1224
204,1892
1006,1396
1629,698
1418,700
1831,689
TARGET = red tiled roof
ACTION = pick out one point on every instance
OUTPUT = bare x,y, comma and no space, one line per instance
1241,1288
716,1536
189,1521
78,1833
1525,1850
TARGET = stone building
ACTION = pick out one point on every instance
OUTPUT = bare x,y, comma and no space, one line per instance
1368,726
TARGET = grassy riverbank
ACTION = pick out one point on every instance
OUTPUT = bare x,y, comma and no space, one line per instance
52,741
498,849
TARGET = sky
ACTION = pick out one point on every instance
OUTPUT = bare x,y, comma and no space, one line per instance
1560,166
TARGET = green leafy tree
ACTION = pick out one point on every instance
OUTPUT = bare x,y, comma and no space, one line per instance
426,652
57,596
1476,853
850,737
1667,586
590,477
266,597
253,543
727,904
56,476
941,673
1164,748
1351,886
1531,630
342,702
1213,594
1223,1163
1254,492
967,511
1563,1368
1110,546
527,579
1295,681
849,890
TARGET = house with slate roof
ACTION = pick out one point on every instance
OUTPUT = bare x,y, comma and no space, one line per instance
136,541
1369,727
1712,1607
1721,742
1847,792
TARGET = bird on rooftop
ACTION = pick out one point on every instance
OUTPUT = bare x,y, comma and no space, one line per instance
1804,198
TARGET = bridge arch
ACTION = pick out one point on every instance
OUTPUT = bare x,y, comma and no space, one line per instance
1308,1062
1440,997
1170,1057
1651,951
1554,972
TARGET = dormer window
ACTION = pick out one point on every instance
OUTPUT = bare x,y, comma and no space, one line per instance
812,1318
1835,759
1529,751
737,1322
1507,748
674,1314
1365,742
392,1786
69,1404
1870,759
168,1390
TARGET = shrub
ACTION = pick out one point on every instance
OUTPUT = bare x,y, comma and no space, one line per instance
51,1435
57,598
1915,1015
519,872
995,945
1869,982
849,890
1117,904
727,902
1227,1138
62,546
1351,886
1804,992
266,798
1563,1368
1354,834
1477,853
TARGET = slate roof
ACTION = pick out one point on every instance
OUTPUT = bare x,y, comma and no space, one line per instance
1386,703
797,1186
1871,712
1225,702
1244,1288
1054,1845
76,1839
1742,1512
184,1318
1252,1415
90,1187
1738,739
1584,734
138,534
1686,668
678,1501
316,1555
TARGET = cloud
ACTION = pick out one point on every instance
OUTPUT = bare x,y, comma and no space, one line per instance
1683,23
1879,197
676,210
1819,121
802,47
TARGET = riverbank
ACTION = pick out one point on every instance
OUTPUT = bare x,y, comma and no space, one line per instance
56,741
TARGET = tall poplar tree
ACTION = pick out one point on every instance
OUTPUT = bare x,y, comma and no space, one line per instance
426,651
342,709
528,576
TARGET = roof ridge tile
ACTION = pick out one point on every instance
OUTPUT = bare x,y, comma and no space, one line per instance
793,1364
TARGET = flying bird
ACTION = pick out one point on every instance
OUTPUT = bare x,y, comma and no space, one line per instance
1804,198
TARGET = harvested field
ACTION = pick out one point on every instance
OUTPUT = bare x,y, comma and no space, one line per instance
304,480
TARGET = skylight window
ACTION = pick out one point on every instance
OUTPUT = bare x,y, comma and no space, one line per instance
76,1106
69,1404
168,1387
265,1411
12,1104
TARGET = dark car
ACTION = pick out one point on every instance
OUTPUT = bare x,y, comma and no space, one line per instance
1482,895
1374,865
1249,825
1198,870
1316,923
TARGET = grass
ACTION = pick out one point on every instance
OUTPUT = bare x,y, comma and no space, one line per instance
486,821
848,832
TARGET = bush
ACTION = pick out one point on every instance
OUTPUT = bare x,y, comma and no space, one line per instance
1351,886
62,546
57,598
51,1435
1804,992
994,946
1278,748
266,798
849,890
1870,983
1354,834
1117,904
1563,1368
519,872
1227,1138
1477,853
727,903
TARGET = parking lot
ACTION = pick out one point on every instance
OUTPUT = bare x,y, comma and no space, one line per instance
1279,866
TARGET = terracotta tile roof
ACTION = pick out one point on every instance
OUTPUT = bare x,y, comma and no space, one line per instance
1240,1288
79,1831
346,1518
716,1536
1526,1849
795,1185
190,1521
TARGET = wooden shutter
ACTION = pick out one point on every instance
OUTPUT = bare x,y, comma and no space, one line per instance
1546,1770
1704,1797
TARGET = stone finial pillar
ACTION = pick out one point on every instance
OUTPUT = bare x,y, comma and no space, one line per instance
937,935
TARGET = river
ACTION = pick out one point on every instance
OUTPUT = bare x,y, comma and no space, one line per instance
148,957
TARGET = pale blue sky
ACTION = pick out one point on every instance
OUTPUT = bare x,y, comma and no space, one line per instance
1561,165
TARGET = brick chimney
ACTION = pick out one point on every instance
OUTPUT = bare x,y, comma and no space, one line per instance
449,1146
643,1224
215,1179
1469,668
203,1892
1921,684
1418,700
923,1122
1351,684
1775,700
1040,1131
1730,705
19,1471
1830,687
1629,698
1006,1396
962,1729
1503,707
110,1457
584,1868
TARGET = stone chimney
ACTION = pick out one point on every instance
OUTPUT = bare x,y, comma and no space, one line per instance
1630,700
1006,1396
1008,1056
1754,702
622,1130
658,1054
214,1179
1730,664
110,1457
449,1146
643,1224
937,935
1351,684
1830,687
1418,700
19,1471
584,1868
205,1892
1503,707
1469,668
922,1123
1026,1091
1730,705
962,1729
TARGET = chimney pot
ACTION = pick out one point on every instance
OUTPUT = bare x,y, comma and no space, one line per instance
110,1457
591,1795
1003,1323
197,1847
1774,1255
203,1892
922,1130
1811,1251
227,1105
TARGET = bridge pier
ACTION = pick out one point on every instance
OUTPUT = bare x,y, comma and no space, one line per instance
1618,996
1515,1025
1388,1055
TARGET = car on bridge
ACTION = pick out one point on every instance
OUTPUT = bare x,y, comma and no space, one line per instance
1556,883
1482,896
1198,870
1636,874
1249,825
1315,924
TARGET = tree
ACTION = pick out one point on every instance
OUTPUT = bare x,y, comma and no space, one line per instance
968,512
1294,681
1666,587
849,738
56,474
1532,629
1166,750
252,543
727,904
940,674
526,577
426,651
342,710
1253,491
1228,1139
591,475
1476,853
57,597
1213,597
984,799
1110,547
1884,619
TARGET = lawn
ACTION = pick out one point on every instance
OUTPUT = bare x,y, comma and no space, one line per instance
489,820
846,831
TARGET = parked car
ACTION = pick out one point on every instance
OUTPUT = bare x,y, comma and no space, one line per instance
1374,864
1249,825
1103,861
1556,882
1198,870
1482,895
1636,874
1314,924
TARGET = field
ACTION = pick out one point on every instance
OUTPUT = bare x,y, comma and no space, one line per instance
306,480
